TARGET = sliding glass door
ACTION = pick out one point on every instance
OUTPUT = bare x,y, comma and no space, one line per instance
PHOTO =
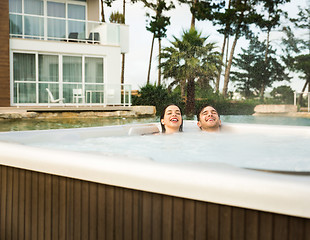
72,76
94,87
24,72
34,73
48,77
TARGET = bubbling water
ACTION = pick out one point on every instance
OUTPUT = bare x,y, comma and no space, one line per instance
259,151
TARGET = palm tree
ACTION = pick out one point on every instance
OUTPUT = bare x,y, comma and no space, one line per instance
190,59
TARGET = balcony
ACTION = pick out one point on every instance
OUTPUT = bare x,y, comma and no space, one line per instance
46,28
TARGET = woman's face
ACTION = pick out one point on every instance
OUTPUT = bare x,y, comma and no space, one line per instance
172,119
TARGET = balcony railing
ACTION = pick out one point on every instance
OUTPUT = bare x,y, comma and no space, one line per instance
35,94
59,29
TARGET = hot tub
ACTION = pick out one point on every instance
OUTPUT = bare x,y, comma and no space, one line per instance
62,194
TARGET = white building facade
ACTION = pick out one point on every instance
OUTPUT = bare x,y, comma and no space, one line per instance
58,47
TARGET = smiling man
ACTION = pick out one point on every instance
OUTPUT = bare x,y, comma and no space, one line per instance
208,119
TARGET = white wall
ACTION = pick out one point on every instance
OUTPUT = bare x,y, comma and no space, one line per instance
111,54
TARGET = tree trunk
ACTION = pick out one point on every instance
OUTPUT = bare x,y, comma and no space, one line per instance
124,10
193,16
123,54
190,101
102,12
182,88
232,51
301,94
123,69
227,71
217,84
159,60
150,62
263,85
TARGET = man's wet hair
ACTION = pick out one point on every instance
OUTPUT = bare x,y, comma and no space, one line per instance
163,129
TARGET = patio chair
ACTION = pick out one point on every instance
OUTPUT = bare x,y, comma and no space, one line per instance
94,37
73,37
51,98
78,94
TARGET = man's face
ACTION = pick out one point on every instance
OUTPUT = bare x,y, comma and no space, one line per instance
209,119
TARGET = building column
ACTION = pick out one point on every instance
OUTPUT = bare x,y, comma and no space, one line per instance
5,54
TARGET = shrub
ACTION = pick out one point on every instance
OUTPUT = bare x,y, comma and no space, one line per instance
157,96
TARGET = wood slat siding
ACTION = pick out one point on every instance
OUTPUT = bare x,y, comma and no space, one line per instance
43,206
4,53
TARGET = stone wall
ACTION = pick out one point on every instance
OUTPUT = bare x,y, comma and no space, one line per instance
134,111
275,109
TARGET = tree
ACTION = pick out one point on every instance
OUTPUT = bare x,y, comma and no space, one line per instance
158,96
236,19
298,49
271,21
190,59
255,73
208,10
158,26
117,17
284,94
193,5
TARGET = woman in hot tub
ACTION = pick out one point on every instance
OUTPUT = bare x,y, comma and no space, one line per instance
171,119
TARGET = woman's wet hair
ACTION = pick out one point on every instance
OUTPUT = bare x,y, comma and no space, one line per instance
163,128
201,108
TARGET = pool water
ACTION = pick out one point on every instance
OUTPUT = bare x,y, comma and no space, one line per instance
266,151
273,120
41,124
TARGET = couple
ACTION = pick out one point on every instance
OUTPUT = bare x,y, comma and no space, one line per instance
171,119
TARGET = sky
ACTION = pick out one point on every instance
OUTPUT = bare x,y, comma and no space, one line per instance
137,60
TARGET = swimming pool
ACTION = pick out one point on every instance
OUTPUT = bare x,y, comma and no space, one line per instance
42,124
65,192
284,151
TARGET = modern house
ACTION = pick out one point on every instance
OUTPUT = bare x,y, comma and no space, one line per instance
56,52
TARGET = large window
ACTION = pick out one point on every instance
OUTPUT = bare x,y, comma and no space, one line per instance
15,6
72,75
93,79
34,7
56,23
24,73
93,70
59,74
75,13
48,76
28,19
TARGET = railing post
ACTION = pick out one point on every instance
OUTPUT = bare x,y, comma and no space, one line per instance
17,90
308,101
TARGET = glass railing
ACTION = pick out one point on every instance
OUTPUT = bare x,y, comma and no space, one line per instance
61,29
91,94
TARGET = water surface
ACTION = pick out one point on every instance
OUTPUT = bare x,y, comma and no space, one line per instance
285,152
41,124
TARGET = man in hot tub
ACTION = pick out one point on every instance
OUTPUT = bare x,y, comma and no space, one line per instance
208,119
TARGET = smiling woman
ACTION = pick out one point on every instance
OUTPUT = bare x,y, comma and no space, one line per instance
171,119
